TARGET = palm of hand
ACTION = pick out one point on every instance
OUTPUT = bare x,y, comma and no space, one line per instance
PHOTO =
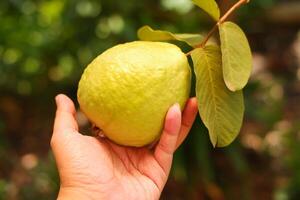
100,169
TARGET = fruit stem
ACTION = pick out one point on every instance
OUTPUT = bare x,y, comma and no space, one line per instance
219,22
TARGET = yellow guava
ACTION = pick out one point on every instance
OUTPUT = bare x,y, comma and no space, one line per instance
127,90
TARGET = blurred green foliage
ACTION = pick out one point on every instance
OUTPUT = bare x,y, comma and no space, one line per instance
45,45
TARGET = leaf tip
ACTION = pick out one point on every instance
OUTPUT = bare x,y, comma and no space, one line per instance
214,141
140,32
210,7
214,145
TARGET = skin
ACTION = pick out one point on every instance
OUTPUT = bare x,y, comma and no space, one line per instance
96,168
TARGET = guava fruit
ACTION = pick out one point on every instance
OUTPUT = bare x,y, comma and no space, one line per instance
127,90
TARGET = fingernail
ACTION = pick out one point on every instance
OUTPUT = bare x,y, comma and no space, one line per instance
177,106
57,99
173,119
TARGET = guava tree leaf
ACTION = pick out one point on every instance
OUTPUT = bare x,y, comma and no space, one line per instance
236,56
209,6
221,110
148,34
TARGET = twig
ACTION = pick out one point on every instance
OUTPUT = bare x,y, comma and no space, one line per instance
220,21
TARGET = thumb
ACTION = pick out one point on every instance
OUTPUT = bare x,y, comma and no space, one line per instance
65,121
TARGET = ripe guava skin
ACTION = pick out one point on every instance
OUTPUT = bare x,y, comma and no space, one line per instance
127,90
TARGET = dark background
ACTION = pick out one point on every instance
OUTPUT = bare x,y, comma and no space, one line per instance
45,46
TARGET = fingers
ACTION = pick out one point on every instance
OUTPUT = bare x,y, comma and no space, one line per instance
64,122
165,148
188,118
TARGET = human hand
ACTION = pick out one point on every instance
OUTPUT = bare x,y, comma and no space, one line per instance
93,168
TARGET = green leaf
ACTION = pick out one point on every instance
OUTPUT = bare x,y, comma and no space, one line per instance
236,56
148,34
221,110
209,6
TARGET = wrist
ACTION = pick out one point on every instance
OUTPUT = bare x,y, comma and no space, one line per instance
76,193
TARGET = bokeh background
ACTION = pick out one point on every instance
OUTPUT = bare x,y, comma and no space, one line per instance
45,46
